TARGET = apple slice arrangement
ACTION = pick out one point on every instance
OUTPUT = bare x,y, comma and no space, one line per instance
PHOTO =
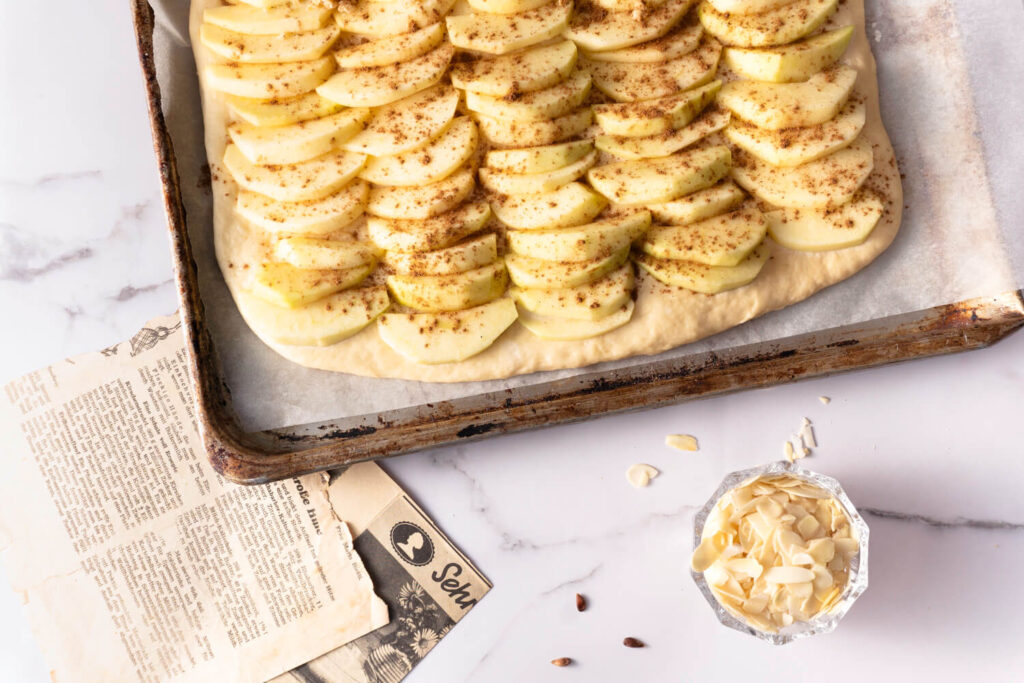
360,130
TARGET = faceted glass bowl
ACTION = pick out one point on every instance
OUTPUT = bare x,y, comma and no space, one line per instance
857,581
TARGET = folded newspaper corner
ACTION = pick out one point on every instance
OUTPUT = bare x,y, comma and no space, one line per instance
136,561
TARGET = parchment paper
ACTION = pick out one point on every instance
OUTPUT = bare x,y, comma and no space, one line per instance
952,83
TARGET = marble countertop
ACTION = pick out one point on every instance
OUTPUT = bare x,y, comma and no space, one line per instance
931,451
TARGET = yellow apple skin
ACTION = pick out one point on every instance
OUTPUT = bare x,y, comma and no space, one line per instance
435,338
701,278
561,329
827,229
789,63
321,323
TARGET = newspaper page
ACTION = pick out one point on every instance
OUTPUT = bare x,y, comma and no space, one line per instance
137,562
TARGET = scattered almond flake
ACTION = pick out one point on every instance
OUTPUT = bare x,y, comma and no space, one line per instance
682,442
640,475
805,422
825,400
807,434
787,448
806,451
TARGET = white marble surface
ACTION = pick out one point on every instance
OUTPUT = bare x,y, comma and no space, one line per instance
931,451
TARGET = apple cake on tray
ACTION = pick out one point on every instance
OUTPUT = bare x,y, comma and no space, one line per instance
455,191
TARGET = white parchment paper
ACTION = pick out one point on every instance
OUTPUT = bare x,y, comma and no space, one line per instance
951,75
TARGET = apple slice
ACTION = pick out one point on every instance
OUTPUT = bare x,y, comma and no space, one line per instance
560,329
747,6
316,217
290,47
724,240
592,301
581,243
777,26
679,42
701,278
434,338
596,30
508,133
571,204
406,124
665,143
628,5
273,21
296,142
316,252
378,85
786,105
285,285
392,49
508,183
627,82
435,293
538,159
638,182
548,103
422,201
535,273
470,255
431,163
378,19
506,6
796,62
695,207
651,117
313,179
498,34
320,323
797,146
518,72
429,233
281,112
827,182
826,229
268,81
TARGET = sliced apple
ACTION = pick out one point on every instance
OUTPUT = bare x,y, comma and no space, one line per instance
313,179
665,143
796,146
628,5
796,62
290,47
316,252
548,103
651,117
509,133
596,30
518,72
469,255
627,82
377,19
747,6
561,329
285,285
700,205
506,182
538,159
429,233
320,323
268,81
506,6
431,163
786,105
572,204
272,21
704,279
638,182
723,240
379,85
592,301
281,112
435,293
392,49
827,182
498,34
826,229
778,26
528,272
422,201
406,124
296,142
581,243
679,42
434,338
316,217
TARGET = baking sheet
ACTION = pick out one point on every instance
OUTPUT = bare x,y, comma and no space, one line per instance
950,72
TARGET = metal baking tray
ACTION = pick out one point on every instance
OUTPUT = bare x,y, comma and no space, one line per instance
256,457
